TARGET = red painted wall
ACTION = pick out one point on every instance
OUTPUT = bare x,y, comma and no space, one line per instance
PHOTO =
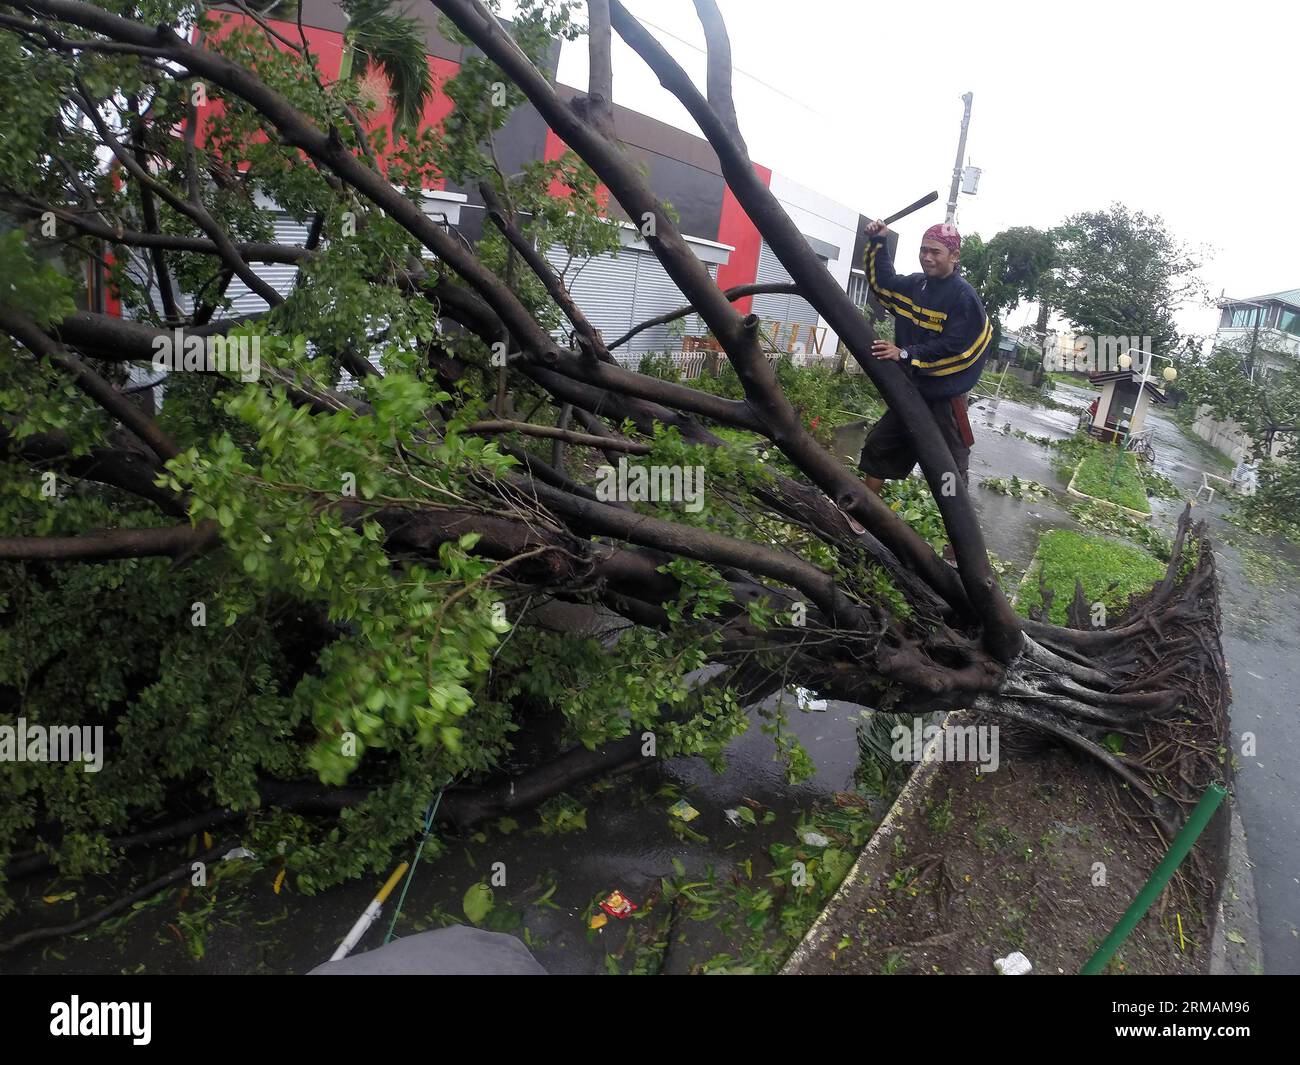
554,149
327,47
735,228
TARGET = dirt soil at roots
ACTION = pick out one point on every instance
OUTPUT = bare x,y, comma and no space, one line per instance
987,865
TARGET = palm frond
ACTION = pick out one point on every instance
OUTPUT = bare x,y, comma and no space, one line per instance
395,44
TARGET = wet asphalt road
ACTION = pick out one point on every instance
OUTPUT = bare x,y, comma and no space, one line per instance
1260,602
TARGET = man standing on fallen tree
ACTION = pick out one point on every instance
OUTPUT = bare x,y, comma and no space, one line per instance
943,336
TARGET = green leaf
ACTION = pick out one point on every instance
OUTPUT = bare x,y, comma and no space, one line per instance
1114,742
477,903
835,863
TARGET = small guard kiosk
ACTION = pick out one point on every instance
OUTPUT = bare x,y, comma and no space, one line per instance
1121,409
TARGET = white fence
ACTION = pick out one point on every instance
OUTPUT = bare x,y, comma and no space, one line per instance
692,364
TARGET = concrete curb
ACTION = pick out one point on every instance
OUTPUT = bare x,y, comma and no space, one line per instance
870,861
1237,911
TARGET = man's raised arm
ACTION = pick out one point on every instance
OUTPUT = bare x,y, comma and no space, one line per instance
890,288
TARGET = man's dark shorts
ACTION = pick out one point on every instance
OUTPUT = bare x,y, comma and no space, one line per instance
889,455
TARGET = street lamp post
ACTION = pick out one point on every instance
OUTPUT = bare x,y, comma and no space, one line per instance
1125,361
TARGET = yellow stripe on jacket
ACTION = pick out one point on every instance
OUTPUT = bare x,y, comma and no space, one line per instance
956,363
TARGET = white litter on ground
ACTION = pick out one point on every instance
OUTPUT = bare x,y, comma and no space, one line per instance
808,700
1014,964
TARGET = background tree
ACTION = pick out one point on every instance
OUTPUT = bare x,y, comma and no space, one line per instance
375,568
1013,266
1121,273
1267,408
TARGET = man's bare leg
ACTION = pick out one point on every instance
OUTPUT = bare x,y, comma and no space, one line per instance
875,484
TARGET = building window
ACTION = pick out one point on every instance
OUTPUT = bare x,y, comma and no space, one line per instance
858,290
1289,321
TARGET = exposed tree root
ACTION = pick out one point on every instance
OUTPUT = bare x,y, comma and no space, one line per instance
1163,656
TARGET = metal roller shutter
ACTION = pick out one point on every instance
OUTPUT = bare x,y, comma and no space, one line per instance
783,307
603,287
280,276
617,292
657,294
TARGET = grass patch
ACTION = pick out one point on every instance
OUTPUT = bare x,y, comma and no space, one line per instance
1117,523
1105,475
1109,572
1057,377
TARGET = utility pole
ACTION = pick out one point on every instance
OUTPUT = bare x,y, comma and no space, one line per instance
1254,342
961,154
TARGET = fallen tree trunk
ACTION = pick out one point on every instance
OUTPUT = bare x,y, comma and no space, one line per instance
399,511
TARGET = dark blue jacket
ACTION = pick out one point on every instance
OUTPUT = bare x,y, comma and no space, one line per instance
941,322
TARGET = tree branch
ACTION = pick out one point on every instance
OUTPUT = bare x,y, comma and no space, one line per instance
600,79
501,218
122,469
196,212
528,429
174,541
738,336
26,332
736,292
1001,626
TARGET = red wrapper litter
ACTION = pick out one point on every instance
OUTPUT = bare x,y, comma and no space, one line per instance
616,904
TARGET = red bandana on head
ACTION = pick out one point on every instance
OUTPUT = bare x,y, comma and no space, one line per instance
946,235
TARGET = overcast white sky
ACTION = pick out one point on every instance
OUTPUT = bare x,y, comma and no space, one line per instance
1187,111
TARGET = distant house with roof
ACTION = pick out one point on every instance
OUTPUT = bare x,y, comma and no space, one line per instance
1265,329
1012,348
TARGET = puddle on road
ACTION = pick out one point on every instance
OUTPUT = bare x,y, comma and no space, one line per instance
630,842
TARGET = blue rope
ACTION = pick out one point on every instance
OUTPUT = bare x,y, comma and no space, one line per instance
431,811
